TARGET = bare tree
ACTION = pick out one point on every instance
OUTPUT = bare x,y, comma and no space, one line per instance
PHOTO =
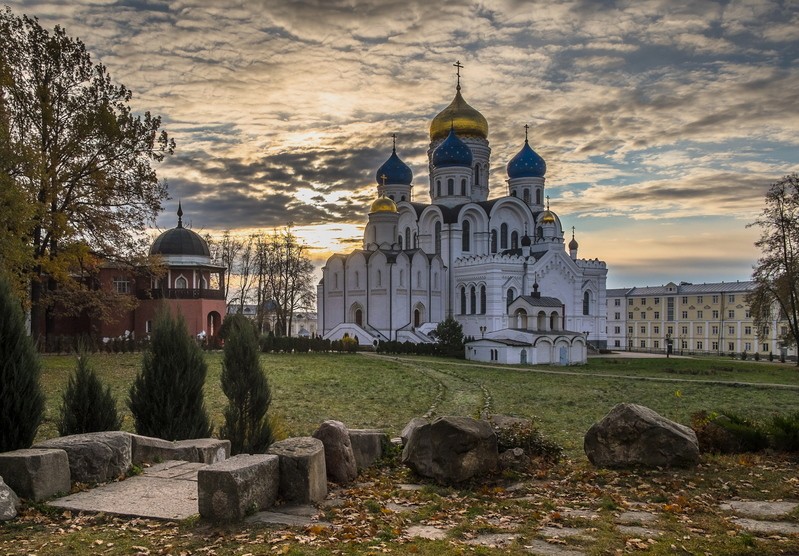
246,270
776,274
285,278
225,251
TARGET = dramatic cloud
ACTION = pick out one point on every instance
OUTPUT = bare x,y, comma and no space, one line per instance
650,113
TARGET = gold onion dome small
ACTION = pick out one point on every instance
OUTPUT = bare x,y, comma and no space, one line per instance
383,204
547,217
466,120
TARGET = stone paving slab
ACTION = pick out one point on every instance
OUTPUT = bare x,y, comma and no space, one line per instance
757,508
543,548
630,518
770,527
493,540
638,531
426,532
565,532
175,470
277,518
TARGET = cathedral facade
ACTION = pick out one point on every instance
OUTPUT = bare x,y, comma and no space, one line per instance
464,254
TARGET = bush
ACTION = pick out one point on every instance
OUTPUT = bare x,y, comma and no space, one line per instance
450,338
21,398
87,405
728,433
526,436
757,356
247,389
784,432
166,398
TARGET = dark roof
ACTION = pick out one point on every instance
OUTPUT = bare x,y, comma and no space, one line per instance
180,241
541,301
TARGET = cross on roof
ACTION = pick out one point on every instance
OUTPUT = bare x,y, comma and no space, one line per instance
394,138
526,127
458,71
384,178
547,202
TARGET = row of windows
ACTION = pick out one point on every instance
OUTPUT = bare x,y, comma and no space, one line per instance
499,240
714,330
700,314
683,300
472,308
699,346
123,285
379,279
526,195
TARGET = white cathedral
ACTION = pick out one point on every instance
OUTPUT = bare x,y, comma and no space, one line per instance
498,265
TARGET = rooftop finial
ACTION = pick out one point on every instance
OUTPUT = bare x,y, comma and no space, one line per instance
572,232
547,202
458,72
180,215
394,139
535,285
526,127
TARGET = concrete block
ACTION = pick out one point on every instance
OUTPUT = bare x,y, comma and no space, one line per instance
203,450
94,457
238,486
36,473
367,446
147,449
303,476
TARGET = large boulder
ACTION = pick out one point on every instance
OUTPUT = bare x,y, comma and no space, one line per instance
339,458
9,502
633,435
36,474
451,449
303,476
94,457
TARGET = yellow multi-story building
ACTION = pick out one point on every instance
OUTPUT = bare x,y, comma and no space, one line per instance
691,318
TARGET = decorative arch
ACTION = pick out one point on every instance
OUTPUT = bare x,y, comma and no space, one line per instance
181,283
554,321
520,317
357,314
419,315
510,296
587,302
541,321
482,299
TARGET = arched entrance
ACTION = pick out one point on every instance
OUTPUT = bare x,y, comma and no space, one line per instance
418,315
359,316
523,357
521,319
213,323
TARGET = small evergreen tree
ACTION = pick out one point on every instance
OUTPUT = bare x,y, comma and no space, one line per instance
166,398
450,337
21,398
247,389
87,405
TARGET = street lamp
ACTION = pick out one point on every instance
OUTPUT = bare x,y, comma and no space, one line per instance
483,331
668,344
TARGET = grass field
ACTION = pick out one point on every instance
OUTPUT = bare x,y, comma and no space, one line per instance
536,507
368,391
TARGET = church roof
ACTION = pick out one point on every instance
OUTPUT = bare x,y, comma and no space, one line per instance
459,115
452,152
395,171
527,164
541,301
180,241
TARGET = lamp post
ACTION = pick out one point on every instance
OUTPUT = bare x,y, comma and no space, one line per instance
668,344
483,331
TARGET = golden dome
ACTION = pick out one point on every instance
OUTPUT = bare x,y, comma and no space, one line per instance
547,217
467,120
383,204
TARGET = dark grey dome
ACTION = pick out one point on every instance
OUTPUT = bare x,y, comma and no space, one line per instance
180,241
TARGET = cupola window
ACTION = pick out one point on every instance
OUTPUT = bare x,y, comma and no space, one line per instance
438,188
537,196
437,237
463,300
514,240
463,187
181,283
526,195
483,299
477,175
467,233
450,186
493,241
503,236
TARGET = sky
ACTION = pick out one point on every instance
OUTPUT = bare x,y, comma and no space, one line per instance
662,122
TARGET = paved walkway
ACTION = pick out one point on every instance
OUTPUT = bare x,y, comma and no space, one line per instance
167,491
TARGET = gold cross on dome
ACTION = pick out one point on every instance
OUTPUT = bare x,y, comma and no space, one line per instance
458,71
384,178
526,127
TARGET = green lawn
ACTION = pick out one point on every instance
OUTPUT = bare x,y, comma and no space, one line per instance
367,391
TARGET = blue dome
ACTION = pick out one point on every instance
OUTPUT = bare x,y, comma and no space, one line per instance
395,171
527,164
452,152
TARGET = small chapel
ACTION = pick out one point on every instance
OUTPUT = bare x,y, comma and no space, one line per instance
488,261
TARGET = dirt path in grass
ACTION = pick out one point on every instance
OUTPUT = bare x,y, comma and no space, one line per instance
530,369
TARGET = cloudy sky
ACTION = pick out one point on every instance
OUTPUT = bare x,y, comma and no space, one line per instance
662,122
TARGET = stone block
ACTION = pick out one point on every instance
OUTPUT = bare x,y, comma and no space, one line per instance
339,459
147,449
203,450
94,457
9,502
303,475
238,486
36,473
367,446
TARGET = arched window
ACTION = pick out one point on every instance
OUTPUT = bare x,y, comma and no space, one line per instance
358,317
540,232
473,300
553,321
526,195
379,278
437,237
463,300
450,186
483,299
415,240
503,236
407,238
476,175
463,187
514,240
467,233
418,278
493,241
181,283
402,277
402,198
417,317
513,193
586,303
357,279
399,240
438,188
511,295
537,196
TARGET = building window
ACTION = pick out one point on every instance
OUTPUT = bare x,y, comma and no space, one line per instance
765,347
438,237
617,330
657,314
699,330
586,303
731,330
148,326
514,240
656,330
643,301
684,344
731,298
669,308
402,278
407,238
617,316
715,299
629,301
731,314
670,329
121,285
493,241
700,314
643,315
629,330
700,345
473,300
748,330
463,187
476,174
418,278
450,186
643,330
630,315
399,241
463,300
657,344
503,236
466,239
748,314
748,346
714,330
482,300
685,300
617,302
685,314
511,295
438,188
715,314
181,283
699,299
684,330
714,346
526,195
538,196
357,279
616,343
731,346
657,301
643,343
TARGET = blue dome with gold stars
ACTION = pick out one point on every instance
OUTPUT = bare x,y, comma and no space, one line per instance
527,164
452,152
395,171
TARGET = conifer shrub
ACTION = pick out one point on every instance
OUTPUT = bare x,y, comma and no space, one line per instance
247,425
728,433
784,432
528,437
21,397
87,405
166,398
